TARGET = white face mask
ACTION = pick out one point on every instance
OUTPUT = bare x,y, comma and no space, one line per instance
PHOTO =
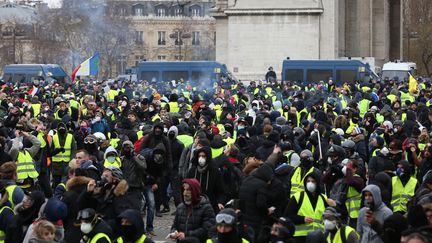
311,187
151,109
344,170
98,118
329,161
201,161
329,225
86,228
111,159
395,129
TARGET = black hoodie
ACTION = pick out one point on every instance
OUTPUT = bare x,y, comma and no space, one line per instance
136,229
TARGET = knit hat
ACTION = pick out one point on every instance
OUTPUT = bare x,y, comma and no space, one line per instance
127,143
306,154
55,210
281,121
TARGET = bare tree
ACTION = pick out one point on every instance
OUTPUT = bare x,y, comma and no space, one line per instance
418,29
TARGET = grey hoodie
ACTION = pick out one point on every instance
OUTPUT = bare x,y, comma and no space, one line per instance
381,212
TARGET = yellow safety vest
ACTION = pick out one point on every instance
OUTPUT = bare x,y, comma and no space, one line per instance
66,156
140,134
402,194
41,139
174,107
140,240
185,139
36,109
10,190
353,202
56,115
306,210
117,163
338,238
99,236
229,141
74,104
216,152
363,107
115,141
392,98
297,182
243,241
111,95
2,233
25,166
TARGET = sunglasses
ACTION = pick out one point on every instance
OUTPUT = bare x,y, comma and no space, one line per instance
224,218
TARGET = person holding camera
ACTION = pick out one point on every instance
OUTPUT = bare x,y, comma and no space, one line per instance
107,196
372,215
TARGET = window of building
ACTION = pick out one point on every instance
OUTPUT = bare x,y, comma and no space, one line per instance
178,40
161,38
122,11
160,11
178,57
195,38
139,36
177,11
139,10
161,57
195,11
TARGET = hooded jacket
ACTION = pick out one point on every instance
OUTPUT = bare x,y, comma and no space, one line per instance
135,218
370,233
209,178
195,220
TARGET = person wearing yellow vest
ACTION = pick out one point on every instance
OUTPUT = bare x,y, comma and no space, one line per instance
173,105
112,158
354,185
299,174
306,208
111,94
63,150
6,214
131,228
35,107
404,187
95,229
26,170
372,214
335,231
227,228
9,176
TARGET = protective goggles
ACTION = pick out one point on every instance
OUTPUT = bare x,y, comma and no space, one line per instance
89,140
224,218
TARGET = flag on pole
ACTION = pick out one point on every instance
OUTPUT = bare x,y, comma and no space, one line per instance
88,67
412,85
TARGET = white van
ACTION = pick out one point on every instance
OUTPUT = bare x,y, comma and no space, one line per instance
401,70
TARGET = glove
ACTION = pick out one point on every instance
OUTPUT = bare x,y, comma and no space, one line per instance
62,149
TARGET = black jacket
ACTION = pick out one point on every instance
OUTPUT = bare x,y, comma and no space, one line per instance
101,227
196,221
254,196
134,170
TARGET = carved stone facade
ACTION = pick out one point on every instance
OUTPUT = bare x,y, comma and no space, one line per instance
168,30
255,34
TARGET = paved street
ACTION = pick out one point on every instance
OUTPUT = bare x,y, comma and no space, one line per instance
163,226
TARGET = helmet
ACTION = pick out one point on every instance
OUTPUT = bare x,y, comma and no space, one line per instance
116,172
348,144
100,136
87,214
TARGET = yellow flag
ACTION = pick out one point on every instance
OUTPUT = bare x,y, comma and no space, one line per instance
412,88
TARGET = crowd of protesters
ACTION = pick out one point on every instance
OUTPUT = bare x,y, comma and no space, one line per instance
269,162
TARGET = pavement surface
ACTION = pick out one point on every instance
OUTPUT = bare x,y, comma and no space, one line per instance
162,226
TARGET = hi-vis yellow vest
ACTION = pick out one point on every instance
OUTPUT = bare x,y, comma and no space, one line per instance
297,182
338,238
66,156
99,236
2,233
25,166
353,202
402,194
140,240
306,210
10,190
174,107
117,163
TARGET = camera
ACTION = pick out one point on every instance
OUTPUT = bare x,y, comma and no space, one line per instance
102,182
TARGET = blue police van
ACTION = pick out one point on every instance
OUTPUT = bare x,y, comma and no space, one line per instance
202,72
312,71
26,73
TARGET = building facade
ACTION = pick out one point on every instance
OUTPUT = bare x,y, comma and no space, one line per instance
254,34
167,30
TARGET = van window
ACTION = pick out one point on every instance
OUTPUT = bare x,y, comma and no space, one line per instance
201,76
294,75
19,77
316,75
7,78
346,76
150,75
175,75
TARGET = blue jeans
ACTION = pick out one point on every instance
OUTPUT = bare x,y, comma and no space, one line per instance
150,205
